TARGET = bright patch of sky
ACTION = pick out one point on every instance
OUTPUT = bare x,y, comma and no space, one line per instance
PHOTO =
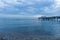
29,8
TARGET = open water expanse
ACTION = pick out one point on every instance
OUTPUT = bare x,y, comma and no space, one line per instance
29,29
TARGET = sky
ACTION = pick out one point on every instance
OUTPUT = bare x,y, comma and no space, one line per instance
29,8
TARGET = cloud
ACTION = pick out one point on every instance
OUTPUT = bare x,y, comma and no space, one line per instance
53,9
14,16
57,3
9,1
29,7
2,4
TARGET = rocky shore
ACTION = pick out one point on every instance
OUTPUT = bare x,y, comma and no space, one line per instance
19,36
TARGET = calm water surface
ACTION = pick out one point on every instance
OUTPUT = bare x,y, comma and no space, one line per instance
28,27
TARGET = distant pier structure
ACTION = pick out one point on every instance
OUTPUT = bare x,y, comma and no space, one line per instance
49,18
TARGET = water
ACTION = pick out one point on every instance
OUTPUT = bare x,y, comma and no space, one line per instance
17,28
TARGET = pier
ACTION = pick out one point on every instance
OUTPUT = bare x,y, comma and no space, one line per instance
49,18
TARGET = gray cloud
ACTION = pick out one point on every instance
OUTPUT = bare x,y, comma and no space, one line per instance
29,7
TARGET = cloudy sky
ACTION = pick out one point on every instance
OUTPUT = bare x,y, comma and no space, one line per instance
29,8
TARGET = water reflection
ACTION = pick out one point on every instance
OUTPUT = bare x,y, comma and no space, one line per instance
24,28
51,26
43,27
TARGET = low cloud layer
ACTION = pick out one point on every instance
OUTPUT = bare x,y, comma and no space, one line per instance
29,8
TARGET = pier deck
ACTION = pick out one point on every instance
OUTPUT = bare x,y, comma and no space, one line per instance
49,18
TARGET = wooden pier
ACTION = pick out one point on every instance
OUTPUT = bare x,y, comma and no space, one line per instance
49,18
